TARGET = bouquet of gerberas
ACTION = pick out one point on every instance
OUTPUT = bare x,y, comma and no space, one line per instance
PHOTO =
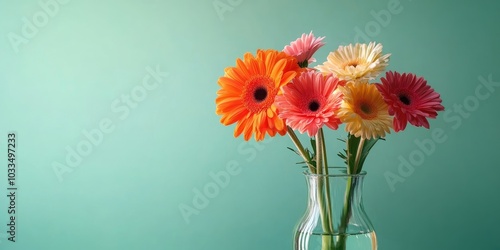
276,92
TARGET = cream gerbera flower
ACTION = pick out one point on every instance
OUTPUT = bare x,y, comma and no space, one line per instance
356,62
364,111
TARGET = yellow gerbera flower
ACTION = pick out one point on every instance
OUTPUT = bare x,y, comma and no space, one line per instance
364,111
356,62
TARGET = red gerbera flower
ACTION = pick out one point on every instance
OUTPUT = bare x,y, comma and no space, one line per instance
410,99
309,102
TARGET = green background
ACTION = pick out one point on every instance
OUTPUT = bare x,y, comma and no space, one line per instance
127,191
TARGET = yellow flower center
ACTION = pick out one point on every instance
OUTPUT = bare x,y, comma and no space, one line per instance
352,64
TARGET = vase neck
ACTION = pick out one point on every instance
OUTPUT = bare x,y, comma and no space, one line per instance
340,197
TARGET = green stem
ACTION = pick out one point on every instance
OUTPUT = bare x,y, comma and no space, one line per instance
327,180
358,156
301,149
346,210
326,222
346,214
324,192
319,153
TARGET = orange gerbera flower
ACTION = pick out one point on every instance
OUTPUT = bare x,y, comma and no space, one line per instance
248,90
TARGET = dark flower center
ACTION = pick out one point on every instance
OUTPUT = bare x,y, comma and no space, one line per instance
313,106
365,108
303,64
260,94
404,99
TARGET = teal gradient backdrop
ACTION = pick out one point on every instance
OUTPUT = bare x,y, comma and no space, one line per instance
139,79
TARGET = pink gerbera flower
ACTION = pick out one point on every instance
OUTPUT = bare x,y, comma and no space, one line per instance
410,99
304,47
309,102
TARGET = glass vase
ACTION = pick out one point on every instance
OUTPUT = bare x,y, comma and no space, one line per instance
335,218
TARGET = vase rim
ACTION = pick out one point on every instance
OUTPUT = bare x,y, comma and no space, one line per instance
338,173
